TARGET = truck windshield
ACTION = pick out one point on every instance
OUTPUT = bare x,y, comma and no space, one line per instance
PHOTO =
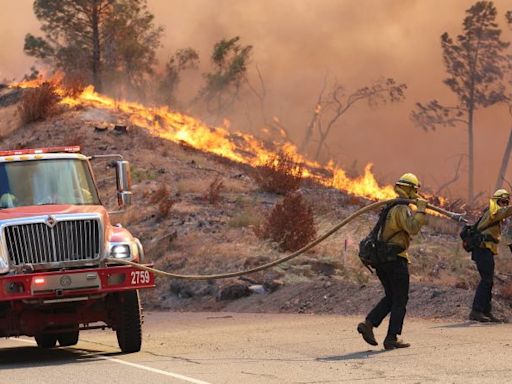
46,182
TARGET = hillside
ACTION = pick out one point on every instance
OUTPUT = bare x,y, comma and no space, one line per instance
185,230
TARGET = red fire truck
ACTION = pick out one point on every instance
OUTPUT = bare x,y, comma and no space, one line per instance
58,274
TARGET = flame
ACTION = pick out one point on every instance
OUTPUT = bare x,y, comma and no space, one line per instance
239,147
365,185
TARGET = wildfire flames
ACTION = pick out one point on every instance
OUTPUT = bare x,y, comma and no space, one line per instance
239,147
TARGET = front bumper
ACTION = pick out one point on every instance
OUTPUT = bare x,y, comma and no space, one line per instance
73,283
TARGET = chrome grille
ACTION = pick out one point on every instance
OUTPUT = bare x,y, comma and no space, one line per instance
38,243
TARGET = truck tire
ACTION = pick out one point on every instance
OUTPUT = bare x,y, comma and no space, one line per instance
129,326
67,339
46,340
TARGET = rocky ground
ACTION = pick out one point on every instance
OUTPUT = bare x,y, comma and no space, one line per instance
185,231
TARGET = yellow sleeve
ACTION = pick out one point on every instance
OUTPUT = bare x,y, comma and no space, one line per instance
502,213
408,221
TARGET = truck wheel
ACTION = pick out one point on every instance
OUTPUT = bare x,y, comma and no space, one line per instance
129,326
46,341
68,338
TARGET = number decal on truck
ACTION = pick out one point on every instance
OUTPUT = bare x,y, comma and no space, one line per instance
140,277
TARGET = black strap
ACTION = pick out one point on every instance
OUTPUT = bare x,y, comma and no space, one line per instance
489,238
384,214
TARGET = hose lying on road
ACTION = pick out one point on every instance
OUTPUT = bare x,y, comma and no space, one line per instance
455,216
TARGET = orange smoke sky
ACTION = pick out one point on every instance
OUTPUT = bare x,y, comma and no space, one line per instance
296,42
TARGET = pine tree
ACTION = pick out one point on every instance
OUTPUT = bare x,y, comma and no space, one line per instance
96,38
475,62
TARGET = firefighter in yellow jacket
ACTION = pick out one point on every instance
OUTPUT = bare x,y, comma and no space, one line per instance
489,228
401,223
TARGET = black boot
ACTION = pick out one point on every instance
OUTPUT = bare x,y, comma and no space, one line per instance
391,342
479,316
366,330
492,318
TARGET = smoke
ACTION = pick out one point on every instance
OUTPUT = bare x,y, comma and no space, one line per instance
16,19
297,42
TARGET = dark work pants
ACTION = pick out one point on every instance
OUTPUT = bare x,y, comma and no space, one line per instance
394,277
484,260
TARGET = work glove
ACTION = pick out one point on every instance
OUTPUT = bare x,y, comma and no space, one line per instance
421,204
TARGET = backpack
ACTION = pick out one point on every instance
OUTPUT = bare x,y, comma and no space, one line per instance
472,237
374,251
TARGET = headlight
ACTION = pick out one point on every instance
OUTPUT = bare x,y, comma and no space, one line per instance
121,251
4,266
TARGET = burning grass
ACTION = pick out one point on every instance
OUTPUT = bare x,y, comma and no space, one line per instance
238,147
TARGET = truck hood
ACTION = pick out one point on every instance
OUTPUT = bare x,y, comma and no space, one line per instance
111,233
39,210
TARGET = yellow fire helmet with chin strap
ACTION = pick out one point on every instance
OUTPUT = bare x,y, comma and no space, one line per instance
407,185
493,203
501,194
409,180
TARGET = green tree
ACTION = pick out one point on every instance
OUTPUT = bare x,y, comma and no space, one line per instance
182,60
96,37
223,84
475,62
131,40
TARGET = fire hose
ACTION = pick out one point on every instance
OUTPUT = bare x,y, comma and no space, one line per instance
452,215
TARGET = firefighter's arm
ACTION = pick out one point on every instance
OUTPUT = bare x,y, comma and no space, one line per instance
408,221
502,213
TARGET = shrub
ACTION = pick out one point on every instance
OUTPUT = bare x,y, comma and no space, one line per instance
280,174
38,103
164,208
214,189
290,223
162,197
161,193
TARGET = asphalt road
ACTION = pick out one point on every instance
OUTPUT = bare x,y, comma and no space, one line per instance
215,348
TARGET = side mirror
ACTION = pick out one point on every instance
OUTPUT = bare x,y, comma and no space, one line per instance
124,198
124,183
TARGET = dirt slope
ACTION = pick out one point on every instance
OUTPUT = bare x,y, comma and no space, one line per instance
189,234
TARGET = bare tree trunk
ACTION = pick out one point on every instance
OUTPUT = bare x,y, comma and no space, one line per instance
96,53
471,158
309,132
452,180
316,112
321,143
504,162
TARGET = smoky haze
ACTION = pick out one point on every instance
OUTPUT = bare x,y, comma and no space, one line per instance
297,42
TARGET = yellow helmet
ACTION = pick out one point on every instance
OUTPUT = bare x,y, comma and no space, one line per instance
409,180
501,194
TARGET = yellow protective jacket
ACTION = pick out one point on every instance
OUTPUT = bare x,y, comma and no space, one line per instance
494,230
401,223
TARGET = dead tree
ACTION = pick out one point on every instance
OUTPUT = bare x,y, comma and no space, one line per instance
329,111
455,177
273,124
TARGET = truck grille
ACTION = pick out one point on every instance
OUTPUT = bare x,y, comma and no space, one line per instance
38,243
